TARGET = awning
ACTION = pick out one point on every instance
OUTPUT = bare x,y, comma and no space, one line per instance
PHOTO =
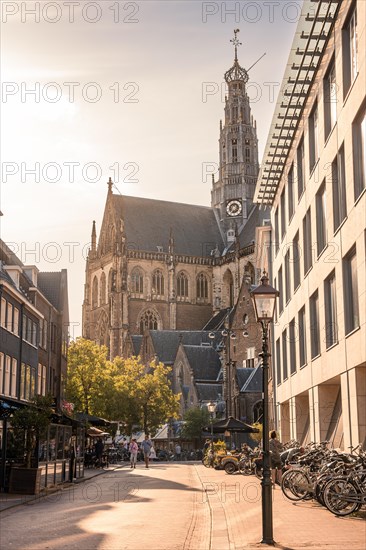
95,432
90,419
232,424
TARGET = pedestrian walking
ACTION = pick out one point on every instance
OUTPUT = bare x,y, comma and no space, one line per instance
275,447
152,452
178,451
146,448
133,448
99,447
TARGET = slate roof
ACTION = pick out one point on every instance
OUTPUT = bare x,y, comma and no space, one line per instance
204,361
49,283
166,342
136,343
256,218
216,322
250,380
148,223
209,392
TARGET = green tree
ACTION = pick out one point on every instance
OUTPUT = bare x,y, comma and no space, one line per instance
141,395
195,420
124,389
30,422
89,379
257,437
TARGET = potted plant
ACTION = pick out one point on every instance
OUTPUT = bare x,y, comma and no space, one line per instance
28,424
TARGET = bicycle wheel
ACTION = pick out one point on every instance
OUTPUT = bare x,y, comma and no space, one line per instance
340,496
295,485
258,471
319,487
230,468
206,461
245,468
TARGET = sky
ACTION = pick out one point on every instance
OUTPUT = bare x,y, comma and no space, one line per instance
128,90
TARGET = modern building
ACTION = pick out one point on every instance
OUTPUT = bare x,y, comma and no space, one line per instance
313,180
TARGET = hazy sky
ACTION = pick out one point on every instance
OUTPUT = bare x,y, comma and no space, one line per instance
131,90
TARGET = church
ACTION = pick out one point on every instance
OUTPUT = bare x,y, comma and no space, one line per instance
160,265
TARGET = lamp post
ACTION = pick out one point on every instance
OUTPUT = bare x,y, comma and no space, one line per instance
211,409
264,301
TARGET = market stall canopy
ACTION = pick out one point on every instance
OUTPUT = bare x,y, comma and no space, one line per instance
95,432
232,424
90,419
172,430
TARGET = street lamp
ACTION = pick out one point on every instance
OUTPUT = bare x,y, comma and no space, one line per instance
264,301
211,409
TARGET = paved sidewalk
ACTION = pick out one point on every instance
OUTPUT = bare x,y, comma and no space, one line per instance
234,506
8,500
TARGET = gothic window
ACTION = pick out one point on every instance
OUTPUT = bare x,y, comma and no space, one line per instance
182,286
249,274
95,292
149,320
202,287
247,154
258,411
137,281
103,332
102,297
158,283
228,289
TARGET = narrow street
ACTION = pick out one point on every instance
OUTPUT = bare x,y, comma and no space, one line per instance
174,506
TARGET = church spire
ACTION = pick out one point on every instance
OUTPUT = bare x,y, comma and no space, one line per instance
110,185
236,43
236,72
232,193
93,248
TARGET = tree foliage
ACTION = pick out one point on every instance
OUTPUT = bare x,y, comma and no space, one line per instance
31,422
88,376
141,396
257,437
124,390
195,420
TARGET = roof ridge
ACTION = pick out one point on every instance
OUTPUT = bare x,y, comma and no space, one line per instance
119,197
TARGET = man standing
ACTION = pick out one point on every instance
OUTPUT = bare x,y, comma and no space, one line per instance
146,447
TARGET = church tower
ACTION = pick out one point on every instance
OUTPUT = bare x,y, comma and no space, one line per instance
232,195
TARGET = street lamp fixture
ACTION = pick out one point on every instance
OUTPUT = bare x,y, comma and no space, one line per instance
264,301
211,407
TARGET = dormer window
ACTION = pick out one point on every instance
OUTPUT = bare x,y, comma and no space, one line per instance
230,235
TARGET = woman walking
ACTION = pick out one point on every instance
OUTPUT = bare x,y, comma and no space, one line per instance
133,448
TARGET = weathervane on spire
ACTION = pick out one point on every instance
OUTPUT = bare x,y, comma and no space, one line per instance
236,43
